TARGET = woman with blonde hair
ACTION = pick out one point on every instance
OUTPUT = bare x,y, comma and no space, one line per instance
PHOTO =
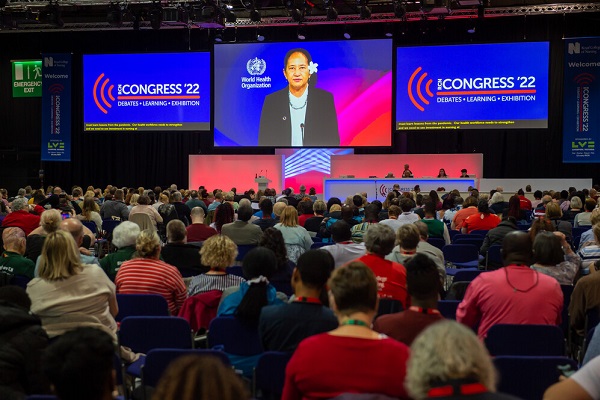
218,252
554,214
448,361
147,274
297,239
65,287
90,212
49,222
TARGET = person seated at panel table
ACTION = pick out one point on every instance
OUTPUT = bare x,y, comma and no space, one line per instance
407,173
442,173
463,173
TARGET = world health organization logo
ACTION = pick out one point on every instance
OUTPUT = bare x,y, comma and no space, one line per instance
256,66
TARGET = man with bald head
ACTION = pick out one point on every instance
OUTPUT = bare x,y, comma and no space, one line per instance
12,261
514,294
79,233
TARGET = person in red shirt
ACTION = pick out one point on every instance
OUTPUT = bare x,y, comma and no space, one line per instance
482,220
469,208
305,211
351,358
20,217
515,294
391,276
198,231
525,202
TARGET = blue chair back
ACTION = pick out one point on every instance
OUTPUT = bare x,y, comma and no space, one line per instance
109,225
157,361
494,255
143,334
235,336
592,318
580,230
480,232
528,377
318,245
448,308
140,305
567,292
243,249
453,233
269,374
235,270
316,239
460,253
525,340
437,242
460,236
91,225
466,275
475,240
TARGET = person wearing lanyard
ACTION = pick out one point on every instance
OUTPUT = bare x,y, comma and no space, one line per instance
423,283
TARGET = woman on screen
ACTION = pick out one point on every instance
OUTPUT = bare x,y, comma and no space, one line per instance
299,114
442,173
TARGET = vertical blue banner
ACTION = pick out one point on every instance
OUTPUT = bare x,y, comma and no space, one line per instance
581,100
56,107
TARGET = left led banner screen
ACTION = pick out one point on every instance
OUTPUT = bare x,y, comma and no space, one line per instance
147,92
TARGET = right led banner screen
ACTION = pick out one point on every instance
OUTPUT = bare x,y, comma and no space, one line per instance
476,86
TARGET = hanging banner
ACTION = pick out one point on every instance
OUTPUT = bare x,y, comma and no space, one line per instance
581,100
27,78
56,107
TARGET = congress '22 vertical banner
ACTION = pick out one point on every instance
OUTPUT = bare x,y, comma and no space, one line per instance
581,119
56,107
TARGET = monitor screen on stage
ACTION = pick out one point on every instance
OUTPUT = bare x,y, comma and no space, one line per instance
308,94
475,86
146,92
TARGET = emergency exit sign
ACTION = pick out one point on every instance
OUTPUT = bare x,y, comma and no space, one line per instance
27,78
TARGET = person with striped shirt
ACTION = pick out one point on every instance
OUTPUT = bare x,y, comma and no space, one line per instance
147,274
218,252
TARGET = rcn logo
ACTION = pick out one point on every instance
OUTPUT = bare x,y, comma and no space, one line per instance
418,88
383,190
584,79
574,48
102,91
56,88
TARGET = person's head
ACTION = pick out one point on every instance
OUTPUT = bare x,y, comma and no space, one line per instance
353,289
338,208
590,204
14,240
576,203
199,377
79,364
444,352
422,279
332,201
540,225
379,239
547,249
497,197
406,204
319,207
278,208
442,172
429,209
483,207
463,172
218,252
516,248
408,236
470,201
176,232
289,216
394,211
553,211
596,232
423,229
520,192
296,69
313,269
266,206
406,167
147,244
341,231
273,239
19,204
224,215
595,216
197,214
50,220
258,266
537,194
119,195
245,212
60,257
125,234
74,227
143,200
372,213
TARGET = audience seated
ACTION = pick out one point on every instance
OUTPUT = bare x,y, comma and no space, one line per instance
424,285
585,297
583,218
147,274
49,222
436,228
283,327
242,232
124,237
83,237
351,358
23,341
587,238
469,208
224,214
313,223
90,212
143,207
447,361
12,261
371,218
554,214
582,385
20,217
198,231
305,211
115,208
296,238
391,276
266,219
80,365
553,256
496,235
273,239
344,250
497,203
218,252
393,213
481,220
200,377
525,202
514,294
575,208
65,286
178,252
183,211
195,201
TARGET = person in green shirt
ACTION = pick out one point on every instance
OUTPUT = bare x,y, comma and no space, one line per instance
12,260
124,237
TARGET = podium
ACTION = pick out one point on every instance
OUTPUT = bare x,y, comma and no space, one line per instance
262,182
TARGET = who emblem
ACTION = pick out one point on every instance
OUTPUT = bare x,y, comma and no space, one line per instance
256,66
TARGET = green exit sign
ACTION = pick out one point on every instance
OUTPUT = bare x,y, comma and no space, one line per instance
27,78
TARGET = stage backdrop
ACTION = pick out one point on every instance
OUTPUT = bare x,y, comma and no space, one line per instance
421,165
239,171
581,98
